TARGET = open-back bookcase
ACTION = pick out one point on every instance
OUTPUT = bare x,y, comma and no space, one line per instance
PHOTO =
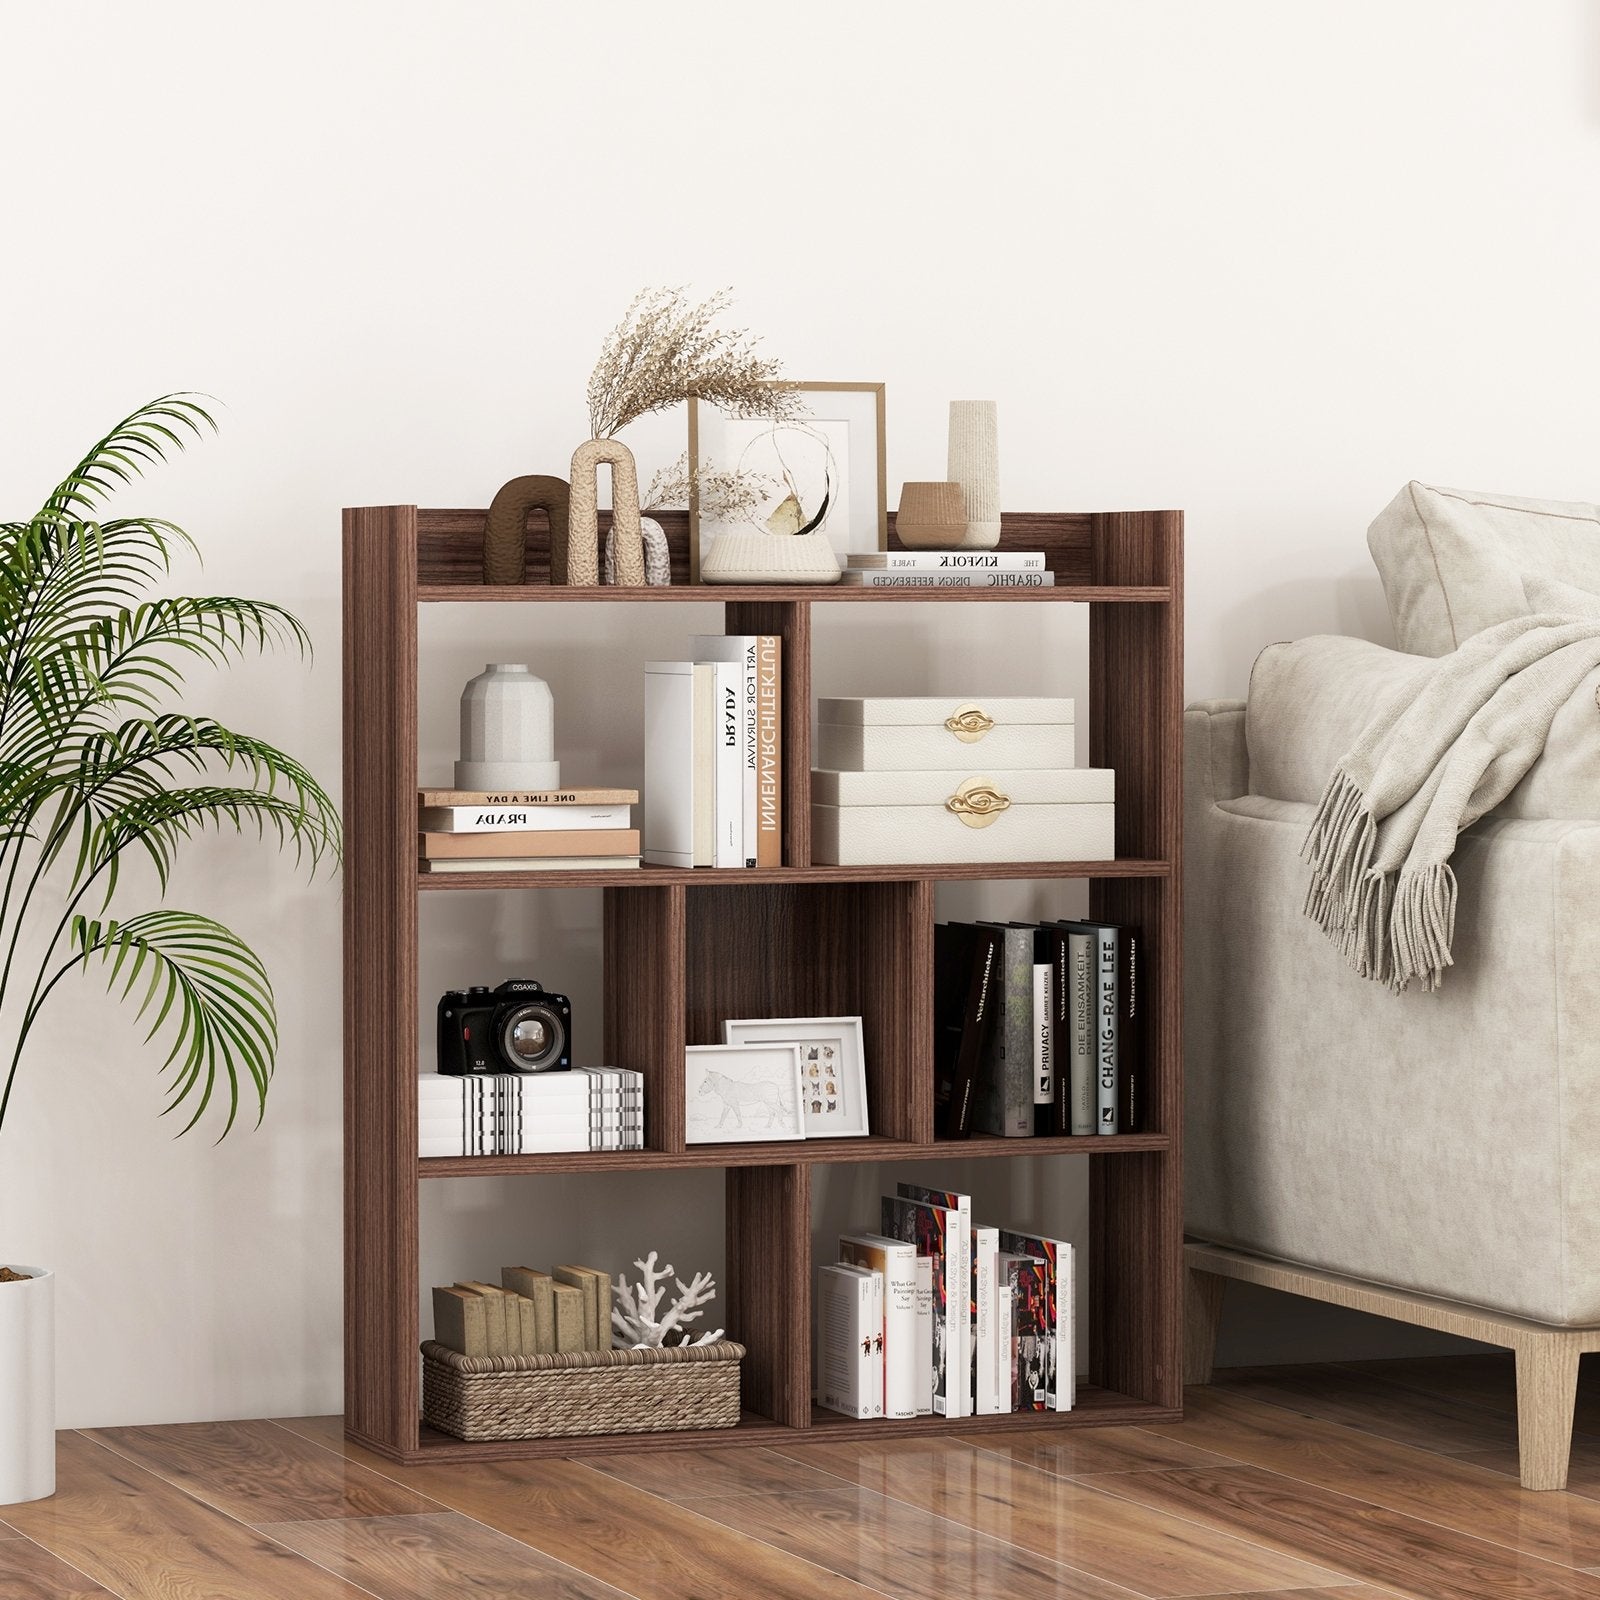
683,950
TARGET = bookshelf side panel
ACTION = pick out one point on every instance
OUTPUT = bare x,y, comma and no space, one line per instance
380,974
769,1287
644,1001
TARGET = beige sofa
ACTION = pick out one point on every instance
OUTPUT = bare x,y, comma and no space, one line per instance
1445,1146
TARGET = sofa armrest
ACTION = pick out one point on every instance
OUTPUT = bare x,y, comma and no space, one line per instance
1215,765
1310,701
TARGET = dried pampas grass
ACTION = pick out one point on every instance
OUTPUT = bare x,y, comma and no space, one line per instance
665,350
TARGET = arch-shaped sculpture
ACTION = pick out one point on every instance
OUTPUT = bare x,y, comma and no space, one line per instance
583,544
505,535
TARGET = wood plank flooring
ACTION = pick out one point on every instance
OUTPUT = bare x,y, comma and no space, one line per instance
1368,1481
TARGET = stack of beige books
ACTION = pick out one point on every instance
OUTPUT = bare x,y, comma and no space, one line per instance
528,1313
554,830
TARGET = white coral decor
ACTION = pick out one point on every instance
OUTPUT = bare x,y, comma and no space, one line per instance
633,1312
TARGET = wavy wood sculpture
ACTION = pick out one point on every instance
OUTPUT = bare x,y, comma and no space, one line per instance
505,535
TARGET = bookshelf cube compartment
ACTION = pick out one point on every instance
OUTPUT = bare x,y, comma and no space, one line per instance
823,950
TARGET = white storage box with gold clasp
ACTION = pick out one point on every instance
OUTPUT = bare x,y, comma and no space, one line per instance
861,819
927,733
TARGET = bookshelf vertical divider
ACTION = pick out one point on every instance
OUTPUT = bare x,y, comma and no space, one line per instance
683,951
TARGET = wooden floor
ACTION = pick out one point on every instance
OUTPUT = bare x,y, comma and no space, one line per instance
1325,1483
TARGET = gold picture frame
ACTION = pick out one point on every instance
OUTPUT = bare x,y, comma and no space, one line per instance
875,406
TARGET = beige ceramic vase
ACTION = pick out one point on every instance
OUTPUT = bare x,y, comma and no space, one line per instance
932,516
583,517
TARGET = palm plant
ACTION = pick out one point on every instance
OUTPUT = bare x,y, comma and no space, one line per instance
93,771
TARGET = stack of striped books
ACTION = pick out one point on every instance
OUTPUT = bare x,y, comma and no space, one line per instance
530,1113
538,831
949,569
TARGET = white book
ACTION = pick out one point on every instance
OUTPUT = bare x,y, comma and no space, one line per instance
924,1336
669,763
740,650
728,733
985,1251
521,819
1043,1065
896,1262
1005,1332
946,561
847,1372
923,579
958,1234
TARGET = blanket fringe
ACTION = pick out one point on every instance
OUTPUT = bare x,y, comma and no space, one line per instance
1395,928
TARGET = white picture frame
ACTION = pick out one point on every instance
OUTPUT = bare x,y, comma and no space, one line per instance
843,428
821,1042
742,1094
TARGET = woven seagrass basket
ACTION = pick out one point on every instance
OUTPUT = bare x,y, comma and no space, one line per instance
593,1391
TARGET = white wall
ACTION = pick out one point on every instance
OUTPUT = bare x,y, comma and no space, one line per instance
1260,261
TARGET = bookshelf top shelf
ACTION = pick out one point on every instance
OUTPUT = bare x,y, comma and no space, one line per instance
1082,594
1100,558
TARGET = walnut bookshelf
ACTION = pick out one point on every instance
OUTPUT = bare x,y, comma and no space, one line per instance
721,943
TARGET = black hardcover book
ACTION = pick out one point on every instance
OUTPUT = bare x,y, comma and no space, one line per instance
1044,954
1133,1003
1060,1108
966,971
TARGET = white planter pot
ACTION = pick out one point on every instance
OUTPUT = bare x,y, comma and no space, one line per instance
27,1387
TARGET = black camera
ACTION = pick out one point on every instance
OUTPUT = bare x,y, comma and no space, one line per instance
517,1027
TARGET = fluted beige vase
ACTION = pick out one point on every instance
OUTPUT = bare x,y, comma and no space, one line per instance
583,516
975,465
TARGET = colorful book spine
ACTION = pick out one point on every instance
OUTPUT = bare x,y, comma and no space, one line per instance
769,750
925,1227
956,1211
986,1322
1059,1355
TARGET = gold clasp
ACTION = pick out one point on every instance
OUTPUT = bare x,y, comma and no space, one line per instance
977,802
969,723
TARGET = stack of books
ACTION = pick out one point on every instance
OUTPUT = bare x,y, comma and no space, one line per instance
935,1315
949,569
530,1113
713,741
462,830
1037,1028
528,1313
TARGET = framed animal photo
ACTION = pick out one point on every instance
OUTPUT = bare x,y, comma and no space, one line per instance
742,1094
833,1068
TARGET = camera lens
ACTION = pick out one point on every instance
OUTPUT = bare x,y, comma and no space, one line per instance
532,1037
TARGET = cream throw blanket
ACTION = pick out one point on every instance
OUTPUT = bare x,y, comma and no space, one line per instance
1381,884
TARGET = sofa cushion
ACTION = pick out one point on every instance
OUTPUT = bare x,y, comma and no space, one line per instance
1452,560
1312,699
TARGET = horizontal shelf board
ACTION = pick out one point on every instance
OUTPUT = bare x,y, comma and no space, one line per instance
599,877
783,1153
716,593
1096,1408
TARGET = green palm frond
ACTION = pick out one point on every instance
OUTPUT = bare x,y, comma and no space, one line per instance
93,770
138,441
189,971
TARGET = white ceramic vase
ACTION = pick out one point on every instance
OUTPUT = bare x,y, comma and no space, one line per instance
508,738
27,1387
975,465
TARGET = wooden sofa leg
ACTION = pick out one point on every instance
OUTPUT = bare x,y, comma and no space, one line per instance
1202,1317
1547,1393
